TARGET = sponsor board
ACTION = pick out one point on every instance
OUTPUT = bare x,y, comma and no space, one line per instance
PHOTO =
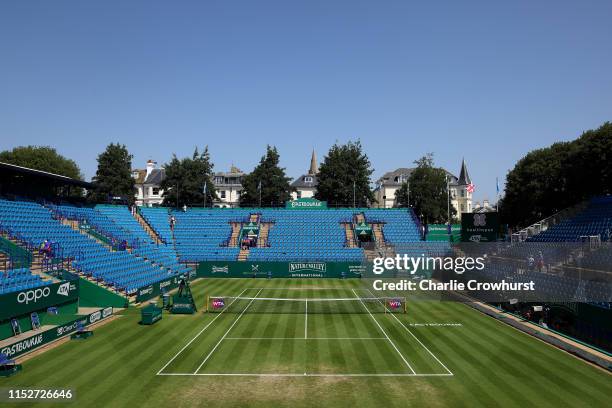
27,301
155,289
39,339
242,269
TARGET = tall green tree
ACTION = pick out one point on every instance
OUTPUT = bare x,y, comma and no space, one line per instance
47,159
267,183
187,179
114,175
548,180
43,158
344,176
428,192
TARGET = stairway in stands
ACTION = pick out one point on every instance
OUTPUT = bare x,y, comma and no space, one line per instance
233,240
350,235
145,225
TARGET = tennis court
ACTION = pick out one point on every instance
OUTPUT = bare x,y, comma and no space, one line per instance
305,332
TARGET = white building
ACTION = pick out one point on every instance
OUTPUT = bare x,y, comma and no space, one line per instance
306,185
461,188
147,183
228,186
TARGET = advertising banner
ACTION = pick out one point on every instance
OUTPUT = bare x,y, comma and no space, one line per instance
29,300
41,338
239,269
155,289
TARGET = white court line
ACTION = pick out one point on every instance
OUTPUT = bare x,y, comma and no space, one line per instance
385,333
416,338
309,338
305,375
225,335
197,335
306,320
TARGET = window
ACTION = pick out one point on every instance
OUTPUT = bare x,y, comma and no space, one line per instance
462,207
299,194
462,193
218,180
307,179
223,194
155,191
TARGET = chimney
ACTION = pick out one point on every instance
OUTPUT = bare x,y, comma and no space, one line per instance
150,167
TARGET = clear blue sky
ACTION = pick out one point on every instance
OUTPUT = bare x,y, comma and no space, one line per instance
484,80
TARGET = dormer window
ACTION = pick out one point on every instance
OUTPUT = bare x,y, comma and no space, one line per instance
307,179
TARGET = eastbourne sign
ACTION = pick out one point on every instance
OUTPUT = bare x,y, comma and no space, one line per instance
306,203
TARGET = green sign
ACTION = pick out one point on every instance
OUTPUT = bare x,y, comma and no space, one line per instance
155,289
39,339
30,300
363,229
306,203
250,229
239,269
479,227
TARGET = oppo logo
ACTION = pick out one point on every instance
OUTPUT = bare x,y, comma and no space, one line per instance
33,295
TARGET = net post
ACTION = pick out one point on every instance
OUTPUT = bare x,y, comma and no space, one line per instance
207,302
405,306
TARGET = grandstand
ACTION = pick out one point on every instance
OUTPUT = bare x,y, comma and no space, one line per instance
594,220
302,235
30,224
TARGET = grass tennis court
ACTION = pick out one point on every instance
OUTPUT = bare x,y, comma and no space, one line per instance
351,357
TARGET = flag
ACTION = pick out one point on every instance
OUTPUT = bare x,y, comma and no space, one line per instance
259,186
497,184
470,188
204,189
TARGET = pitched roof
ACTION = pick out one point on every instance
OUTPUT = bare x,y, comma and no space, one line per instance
300,181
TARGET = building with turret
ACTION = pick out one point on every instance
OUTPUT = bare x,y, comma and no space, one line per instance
306,185
460,188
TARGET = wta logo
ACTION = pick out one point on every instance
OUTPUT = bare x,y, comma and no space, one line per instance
218,303
395,304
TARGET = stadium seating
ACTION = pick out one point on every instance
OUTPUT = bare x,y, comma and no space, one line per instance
295,235
32,223
14,280
595,220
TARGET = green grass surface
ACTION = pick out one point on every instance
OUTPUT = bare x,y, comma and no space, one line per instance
491,363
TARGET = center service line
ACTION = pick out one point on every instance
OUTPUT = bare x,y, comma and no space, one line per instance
226,333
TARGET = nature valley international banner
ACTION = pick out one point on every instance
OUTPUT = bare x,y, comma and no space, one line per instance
239,269
34,299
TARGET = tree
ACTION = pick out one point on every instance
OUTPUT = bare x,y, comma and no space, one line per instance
548,180
47,159
114,175
344,176
428,192
186,178
43,158
267,184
